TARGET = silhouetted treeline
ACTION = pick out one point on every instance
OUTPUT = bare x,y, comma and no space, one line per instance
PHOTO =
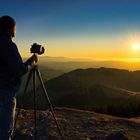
131,109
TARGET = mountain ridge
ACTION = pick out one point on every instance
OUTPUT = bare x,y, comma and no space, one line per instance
96,89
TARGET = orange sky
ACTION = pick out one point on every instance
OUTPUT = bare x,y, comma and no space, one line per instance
95,48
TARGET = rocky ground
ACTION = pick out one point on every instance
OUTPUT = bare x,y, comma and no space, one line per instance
76,125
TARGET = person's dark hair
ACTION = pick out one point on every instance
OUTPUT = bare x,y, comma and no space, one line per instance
6,24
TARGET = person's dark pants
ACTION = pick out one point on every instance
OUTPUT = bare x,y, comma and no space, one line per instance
7,113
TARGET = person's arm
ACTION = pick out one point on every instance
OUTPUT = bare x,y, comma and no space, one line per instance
13,60
30,61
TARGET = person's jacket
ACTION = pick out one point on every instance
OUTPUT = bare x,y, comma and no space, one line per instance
11,64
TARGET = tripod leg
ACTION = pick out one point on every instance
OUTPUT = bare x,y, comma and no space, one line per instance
26,86
34,90
47,98
21,106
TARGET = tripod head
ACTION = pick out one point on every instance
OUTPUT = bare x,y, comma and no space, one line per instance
35,57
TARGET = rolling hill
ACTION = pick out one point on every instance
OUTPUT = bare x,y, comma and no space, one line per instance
92,89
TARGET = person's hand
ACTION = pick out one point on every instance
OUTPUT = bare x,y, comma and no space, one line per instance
32,60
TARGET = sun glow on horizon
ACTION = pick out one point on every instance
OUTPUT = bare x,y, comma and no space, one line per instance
136,46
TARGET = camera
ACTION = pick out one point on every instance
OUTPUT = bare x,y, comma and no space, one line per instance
38,49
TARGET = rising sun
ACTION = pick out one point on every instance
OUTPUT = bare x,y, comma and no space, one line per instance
136,46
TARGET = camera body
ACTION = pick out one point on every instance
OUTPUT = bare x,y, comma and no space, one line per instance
38,49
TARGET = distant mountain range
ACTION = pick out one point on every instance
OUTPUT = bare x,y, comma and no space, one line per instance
61,59
63,63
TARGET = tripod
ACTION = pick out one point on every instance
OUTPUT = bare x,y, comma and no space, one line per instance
35,72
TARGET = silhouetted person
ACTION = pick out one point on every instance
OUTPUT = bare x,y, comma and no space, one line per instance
11,70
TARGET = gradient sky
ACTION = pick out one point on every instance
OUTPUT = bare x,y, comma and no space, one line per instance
97,29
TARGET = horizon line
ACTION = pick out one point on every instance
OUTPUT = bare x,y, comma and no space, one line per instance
135,60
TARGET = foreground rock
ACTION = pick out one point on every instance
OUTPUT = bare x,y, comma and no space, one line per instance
75,125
